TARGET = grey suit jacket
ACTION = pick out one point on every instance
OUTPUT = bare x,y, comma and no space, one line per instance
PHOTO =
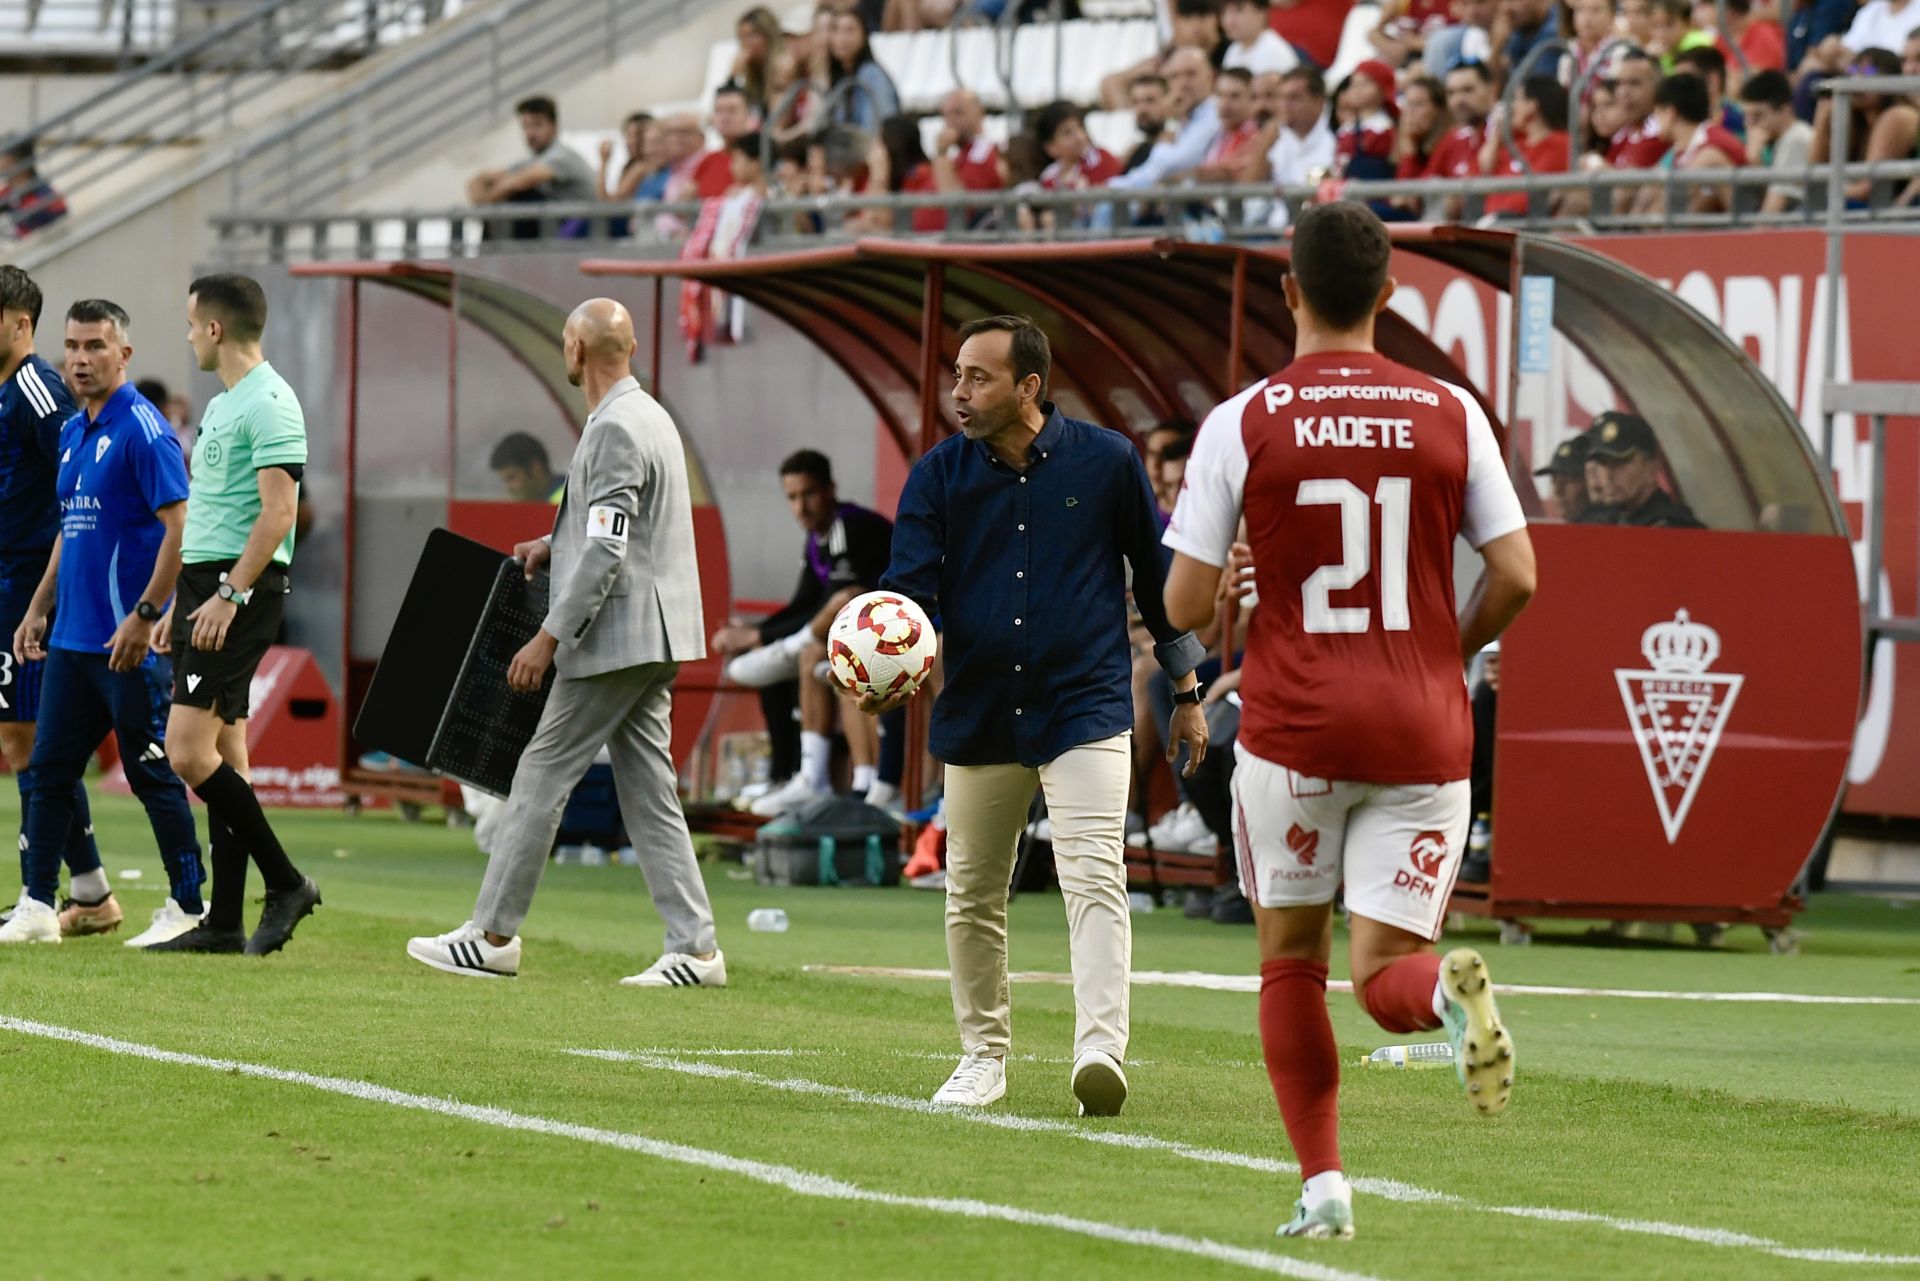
626,575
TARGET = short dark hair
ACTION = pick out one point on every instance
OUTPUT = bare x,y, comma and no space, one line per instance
638,118
747,144
153,389
1474,67
538,105
96,311
1196,8
1241,74
1340,254
1251,4
1768,88
1549,98
19,293
1705,59
1177,450
735,89
810,463
237,302
1052,118
1686,93
1029,350
1310,77
1178,426
517,449
1150,78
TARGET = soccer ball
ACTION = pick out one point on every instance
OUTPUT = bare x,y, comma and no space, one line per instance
881,643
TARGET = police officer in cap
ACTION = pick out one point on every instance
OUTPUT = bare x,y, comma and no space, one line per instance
1566,473
1625,446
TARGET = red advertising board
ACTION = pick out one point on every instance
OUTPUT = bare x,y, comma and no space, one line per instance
1767,291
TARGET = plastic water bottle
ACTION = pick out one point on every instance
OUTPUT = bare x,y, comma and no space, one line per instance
767,920
1422,1054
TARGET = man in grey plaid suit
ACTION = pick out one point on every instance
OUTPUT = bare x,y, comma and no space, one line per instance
625,614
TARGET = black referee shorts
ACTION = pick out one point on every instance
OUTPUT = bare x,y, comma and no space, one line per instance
221,680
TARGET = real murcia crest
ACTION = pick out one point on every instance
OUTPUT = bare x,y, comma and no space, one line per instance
1678,710
100,447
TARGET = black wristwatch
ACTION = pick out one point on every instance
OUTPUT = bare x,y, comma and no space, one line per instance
147,611
1195,695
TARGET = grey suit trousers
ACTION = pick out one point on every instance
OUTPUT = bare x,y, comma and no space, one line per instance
629,711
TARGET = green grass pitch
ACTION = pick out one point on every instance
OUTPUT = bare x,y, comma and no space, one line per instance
1647,1138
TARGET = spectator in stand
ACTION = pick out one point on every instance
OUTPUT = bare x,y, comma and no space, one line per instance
1695,141
1710,65
1910,66
1761,41
552,173
1196,25
726,227
1470,99
1627,450
1467,38
1636,22
1592,24
964,158
1638,143
643,173
27,200
1073,162
1266,107
1673,31
1879,24
763,61
1313,27
1540,131
1226,160
1163,440
1529,23
1401,35
1566,472
1776,137
1809,25
1363,146
1191,132
525,473
897,164
1255,46
1423,125
1150,99
693,172
1884,126
846,54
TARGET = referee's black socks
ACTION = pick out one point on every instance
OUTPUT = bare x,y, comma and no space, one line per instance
232,801
229,859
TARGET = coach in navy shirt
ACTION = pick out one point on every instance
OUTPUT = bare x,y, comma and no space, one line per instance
1019,534
123,491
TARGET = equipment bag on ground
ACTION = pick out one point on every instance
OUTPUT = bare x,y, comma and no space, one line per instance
835,840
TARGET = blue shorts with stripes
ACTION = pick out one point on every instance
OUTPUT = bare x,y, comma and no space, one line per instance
19,682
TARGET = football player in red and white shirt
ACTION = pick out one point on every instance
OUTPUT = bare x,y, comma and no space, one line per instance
1355,475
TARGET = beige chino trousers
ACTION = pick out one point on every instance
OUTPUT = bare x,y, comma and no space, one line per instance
1086,790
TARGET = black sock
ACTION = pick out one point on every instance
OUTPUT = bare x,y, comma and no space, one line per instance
229,859
232,802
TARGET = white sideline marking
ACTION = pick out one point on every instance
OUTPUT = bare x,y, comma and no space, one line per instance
1251,983
1388,1189
799,1182
941,1056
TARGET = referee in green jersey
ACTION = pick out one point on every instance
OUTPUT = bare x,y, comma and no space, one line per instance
235,553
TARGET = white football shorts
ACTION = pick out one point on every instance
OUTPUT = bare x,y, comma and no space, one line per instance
1397,847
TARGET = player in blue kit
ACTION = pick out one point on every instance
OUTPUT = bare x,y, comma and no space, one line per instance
34,405
123,491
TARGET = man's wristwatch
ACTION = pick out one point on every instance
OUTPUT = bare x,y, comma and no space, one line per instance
1195,695
147,611
228,592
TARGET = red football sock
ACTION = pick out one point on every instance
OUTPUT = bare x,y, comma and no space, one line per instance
1302,1060
1400,997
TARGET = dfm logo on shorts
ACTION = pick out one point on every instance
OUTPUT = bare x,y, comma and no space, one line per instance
1428,852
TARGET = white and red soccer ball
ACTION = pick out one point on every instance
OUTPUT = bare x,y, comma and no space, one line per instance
881,643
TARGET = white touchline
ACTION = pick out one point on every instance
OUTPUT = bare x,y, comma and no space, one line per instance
799,1182
1388,1189
1251,983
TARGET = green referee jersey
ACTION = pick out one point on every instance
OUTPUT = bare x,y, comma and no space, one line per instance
256,423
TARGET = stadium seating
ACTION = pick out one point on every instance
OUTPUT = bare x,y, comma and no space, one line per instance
56,28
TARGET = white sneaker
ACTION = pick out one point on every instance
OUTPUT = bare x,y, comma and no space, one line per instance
791,794
466,952
979,1080
1099,1083
751,793
1178,829
681,969
764,666
169,922
31,922
1208,845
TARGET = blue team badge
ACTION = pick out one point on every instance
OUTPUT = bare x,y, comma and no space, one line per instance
100,450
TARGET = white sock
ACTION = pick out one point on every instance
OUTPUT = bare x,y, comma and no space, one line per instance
1328,1185
882,794
862,779
795,643
1440,999
816,751
90,887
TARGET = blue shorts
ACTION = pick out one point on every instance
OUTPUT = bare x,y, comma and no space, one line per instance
19,682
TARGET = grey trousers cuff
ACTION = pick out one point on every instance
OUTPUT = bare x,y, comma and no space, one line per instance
1180,655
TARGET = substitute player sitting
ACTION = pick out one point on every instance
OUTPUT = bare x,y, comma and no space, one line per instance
1355,476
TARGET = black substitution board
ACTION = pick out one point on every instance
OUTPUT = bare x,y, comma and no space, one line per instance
439,697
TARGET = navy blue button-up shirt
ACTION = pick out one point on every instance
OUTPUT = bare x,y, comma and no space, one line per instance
1024,570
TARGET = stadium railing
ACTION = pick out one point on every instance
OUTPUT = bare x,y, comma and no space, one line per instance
1222,212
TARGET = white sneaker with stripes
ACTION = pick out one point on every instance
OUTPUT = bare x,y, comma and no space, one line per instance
681,969
466,952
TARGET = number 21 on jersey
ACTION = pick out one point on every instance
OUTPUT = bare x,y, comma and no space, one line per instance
1357,559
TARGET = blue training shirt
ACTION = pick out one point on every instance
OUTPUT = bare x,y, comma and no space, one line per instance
116,472
34,405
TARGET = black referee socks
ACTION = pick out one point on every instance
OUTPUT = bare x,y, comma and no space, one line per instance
229,859
232,801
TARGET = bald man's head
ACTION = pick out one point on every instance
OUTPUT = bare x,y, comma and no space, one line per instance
599,334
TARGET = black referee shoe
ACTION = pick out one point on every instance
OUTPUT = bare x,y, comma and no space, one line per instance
280,915
202,938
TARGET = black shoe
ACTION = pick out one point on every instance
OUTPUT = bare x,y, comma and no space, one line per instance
1199,905
1476,869
202,938
1230,908
280,915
